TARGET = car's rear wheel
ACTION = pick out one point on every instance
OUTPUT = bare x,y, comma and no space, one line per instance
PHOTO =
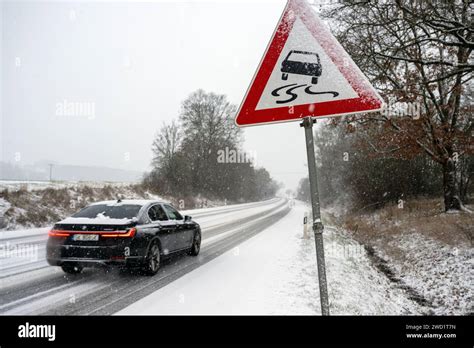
284,76
72,269
196,247
314,80
153,259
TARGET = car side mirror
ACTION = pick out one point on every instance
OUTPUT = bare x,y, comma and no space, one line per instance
187,218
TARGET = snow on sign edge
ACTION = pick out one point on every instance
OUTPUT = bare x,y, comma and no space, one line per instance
369,100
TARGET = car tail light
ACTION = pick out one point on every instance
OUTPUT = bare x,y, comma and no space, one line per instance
129,234
56,233
118,257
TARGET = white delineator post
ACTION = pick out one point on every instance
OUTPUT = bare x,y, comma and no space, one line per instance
305,226
318,227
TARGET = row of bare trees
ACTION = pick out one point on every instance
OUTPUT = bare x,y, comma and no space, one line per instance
353,176
189,160
417,52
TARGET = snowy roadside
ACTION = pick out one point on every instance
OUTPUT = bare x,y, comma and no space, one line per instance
275,273
421,249
440,273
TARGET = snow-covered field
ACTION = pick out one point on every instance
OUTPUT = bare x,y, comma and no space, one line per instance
274,272
41,185
31,204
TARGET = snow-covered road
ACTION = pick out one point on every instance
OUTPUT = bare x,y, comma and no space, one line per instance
29,286
253,261
25,250
274,272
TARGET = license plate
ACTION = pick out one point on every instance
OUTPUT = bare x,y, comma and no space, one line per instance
86,237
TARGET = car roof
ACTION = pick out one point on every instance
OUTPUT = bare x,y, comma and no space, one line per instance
141,202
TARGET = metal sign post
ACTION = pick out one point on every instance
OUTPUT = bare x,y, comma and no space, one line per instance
318,227
282,92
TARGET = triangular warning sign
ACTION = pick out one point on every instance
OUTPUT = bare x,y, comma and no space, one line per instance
305,72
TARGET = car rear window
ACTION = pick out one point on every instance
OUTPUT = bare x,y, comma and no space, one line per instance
302,57
122,211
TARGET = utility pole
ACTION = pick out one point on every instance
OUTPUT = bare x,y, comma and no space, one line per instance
50,171
318,227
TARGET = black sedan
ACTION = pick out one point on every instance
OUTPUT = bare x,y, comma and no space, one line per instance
128,233
302,63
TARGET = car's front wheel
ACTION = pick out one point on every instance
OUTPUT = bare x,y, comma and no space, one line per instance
196,247
153,260
72,269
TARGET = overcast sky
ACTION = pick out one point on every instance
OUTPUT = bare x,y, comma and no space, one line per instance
131,64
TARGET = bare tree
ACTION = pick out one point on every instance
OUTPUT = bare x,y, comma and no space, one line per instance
208,126
167,160
417,52
166,145
185,155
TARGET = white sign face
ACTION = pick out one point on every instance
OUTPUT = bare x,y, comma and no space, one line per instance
305,72
298,89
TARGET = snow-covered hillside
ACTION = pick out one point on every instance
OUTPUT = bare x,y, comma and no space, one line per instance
30,204
38,204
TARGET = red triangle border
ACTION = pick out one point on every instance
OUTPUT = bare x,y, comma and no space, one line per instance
368,100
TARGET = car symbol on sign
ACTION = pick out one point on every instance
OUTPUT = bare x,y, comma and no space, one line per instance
301,63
